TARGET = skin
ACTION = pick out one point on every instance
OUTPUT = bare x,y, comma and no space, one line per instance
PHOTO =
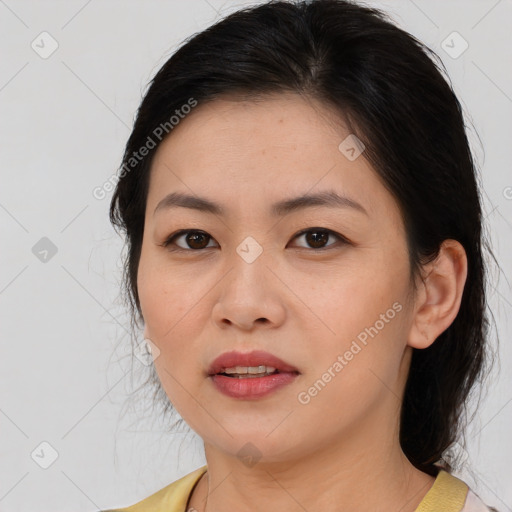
306,305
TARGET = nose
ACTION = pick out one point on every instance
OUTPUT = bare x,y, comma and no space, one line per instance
250,296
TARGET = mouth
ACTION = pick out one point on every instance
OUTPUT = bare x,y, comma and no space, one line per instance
249,372
249,365
251,375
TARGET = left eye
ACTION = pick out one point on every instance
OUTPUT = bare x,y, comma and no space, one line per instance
315,237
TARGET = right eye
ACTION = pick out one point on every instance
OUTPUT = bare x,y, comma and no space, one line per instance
195,239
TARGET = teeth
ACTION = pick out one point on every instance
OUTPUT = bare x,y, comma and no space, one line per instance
253,370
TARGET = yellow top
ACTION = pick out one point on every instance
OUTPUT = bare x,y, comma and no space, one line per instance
447,494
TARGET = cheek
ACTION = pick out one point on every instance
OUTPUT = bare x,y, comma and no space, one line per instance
174,307
359,369
366,317
168,298
351,303
168,314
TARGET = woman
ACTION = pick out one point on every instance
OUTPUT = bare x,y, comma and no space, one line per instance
305,255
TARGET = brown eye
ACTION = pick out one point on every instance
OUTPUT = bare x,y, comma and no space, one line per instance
317,238
194,239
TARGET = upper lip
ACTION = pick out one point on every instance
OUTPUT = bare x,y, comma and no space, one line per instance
254,358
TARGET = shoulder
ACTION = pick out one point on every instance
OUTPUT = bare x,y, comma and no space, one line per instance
171,498
475,504
450,493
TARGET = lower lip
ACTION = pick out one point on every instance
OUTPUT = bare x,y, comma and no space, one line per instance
252,387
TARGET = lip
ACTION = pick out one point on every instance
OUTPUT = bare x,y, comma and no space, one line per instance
254,358
250,388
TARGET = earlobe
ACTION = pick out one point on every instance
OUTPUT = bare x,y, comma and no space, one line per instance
439,301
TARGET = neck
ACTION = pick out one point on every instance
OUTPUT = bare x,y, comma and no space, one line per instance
361,472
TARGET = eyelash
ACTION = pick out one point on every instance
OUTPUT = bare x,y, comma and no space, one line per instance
170,240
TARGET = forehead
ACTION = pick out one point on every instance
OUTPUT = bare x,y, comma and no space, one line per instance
254,123
248,152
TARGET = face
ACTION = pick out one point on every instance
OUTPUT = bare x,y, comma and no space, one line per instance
322,287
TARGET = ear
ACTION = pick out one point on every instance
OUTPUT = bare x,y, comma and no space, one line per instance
439,295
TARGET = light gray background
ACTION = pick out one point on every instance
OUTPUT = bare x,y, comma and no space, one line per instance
64,122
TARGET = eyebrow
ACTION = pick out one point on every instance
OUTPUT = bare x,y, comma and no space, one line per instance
328,198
